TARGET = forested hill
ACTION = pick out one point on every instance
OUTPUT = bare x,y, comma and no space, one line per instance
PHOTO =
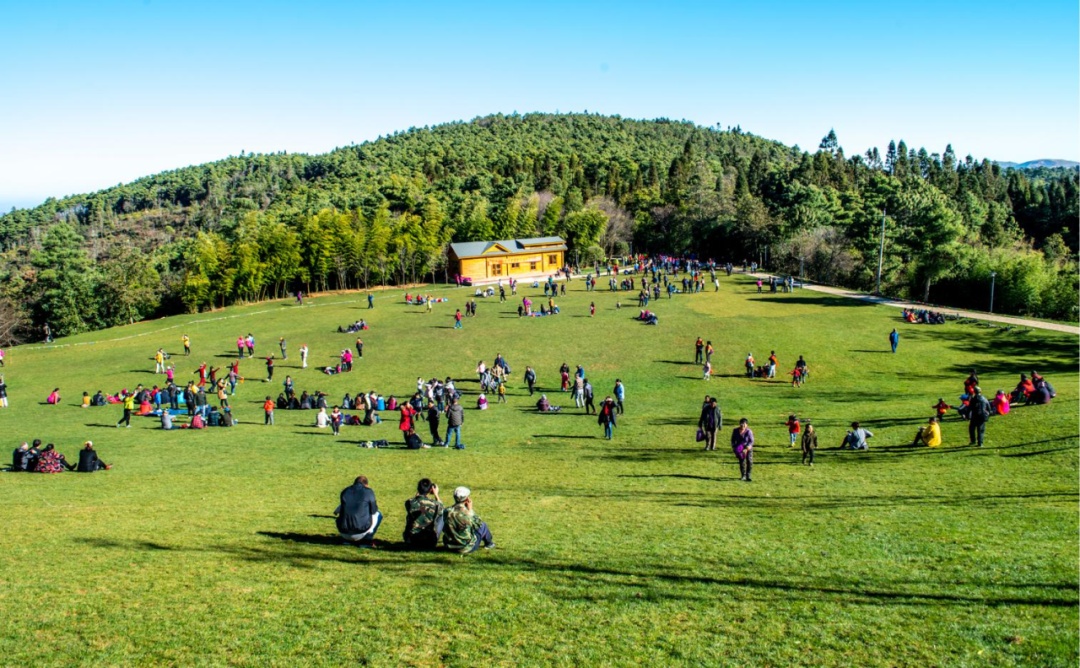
256,226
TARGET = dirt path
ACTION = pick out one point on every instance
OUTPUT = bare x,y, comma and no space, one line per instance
974,315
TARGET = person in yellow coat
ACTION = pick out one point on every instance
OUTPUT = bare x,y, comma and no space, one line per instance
930,435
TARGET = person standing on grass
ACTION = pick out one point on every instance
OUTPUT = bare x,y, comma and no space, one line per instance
433,423
606,418
587,390
980,412
742,444
240,347
592,309
250,343
699,351
706,371
455,416
457,319
794,428
159,361
268,407
463,530
711,421
424,517
708,351
620,394
270,368
187,345
358,516
894,339
359,347
129,405
370,300
809,443
336,418
281,345
3,393
773,361
748,363
530,379
303,356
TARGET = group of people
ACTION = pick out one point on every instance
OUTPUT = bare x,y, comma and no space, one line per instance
427,520
922,316
33,458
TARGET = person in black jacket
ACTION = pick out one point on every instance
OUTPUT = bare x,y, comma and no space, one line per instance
358,515
20,458
89,460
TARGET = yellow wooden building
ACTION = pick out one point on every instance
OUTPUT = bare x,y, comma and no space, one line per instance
490,260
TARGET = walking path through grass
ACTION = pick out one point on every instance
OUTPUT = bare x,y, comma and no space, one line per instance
974,315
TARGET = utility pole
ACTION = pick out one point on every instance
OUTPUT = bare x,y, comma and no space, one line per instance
881,253
992,275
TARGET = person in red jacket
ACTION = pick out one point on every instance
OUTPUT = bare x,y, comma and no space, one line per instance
794,429
407,413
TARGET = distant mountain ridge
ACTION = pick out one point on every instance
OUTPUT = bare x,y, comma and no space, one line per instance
1042,162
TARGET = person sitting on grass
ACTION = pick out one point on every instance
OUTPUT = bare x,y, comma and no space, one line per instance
856,438
481,402
1023,390
89,461
358,516
167,420
53,398
463,530
51,461
1001,404
1041,394
544,406
424,517
22,459
930,435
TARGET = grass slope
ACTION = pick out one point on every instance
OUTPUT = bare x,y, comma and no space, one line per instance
218,547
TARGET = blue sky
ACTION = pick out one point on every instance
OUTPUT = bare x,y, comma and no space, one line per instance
94,94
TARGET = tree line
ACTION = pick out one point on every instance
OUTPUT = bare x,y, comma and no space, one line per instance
253,227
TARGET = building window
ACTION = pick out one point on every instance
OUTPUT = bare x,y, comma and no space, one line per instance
514,265
532,266
496,270
553,259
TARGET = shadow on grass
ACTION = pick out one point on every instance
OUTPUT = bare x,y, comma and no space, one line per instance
813,300
579,581
563,436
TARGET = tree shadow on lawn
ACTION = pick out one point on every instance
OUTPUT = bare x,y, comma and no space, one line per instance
875,501
562,436
581,579
816,299
870,351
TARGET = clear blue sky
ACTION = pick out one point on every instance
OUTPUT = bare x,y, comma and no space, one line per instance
97,93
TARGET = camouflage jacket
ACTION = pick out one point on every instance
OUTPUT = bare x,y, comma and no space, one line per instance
460,528
421,513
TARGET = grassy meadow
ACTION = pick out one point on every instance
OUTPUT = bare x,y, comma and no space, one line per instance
218,547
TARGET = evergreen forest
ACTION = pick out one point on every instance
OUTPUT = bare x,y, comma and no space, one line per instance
258,226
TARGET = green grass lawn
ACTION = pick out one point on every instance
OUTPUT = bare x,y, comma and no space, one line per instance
218,547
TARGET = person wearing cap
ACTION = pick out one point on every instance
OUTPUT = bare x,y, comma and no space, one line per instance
979,410
424,517
930,435
463,530
89,460
358,515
